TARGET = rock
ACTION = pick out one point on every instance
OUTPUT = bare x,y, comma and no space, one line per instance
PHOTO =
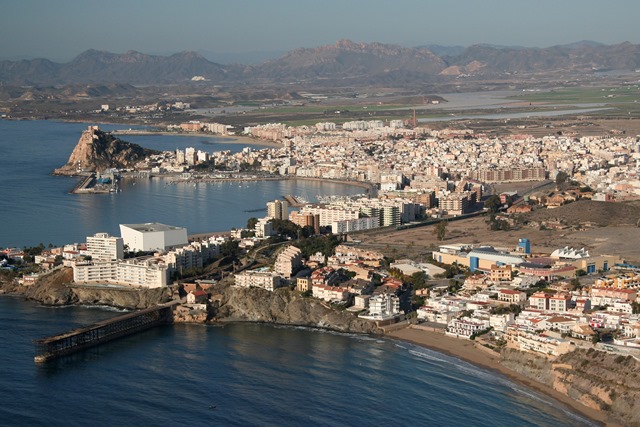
602,381
284,306
97,150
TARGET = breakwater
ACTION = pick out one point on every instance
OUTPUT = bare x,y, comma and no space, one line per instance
90,336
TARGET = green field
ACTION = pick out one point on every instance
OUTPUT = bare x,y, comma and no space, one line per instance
608,95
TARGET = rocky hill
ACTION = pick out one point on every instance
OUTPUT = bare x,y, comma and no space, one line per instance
285,307
605,382
587,211
97,150
343,62
56,289
349,60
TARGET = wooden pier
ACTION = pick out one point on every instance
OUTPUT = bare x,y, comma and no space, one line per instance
82,338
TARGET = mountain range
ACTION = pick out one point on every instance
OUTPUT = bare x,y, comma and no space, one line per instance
346,61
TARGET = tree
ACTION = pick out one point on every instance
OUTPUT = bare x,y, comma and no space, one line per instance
493,203
440,230
251,223
418,279
561,178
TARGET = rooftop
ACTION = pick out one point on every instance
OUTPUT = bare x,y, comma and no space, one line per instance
150,227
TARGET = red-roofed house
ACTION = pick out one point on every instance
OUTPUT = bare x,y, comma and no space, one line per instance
197,297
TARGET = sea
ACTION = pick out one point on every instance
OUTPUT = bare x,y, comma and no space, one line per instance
248,375
36,207
202,375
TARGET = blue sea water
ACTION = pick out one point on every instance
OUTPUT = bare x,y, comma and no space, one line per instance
36,207
253,374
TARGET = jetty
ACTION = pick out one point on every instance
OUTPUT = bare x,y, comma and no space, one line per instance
90,336
294,202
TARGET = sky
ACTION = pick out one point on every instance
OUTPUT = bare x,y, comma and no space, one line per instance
61,29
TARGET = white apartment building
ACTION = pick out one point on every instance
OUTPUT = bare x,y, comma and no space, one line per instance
139,272
465,327
102,246
264,228
153,236
145,273
258,279
382,307
330,214
350,225
95,271
288,261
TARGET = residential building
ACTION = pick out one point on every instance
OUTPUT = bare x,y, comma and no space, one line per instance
560,303
102,246
464,327
258,279
536,342
512,296
288,261
278,209
382,307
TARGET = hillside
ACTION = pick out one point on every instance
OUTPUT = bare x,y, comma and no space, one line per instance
602,214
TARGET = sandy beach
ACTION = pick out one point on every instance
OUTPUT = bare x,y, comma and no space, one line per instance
465,350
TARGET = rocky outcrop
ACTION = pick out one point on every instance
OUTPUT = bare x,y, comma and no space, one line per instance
602,381
284,306
56,289
97,150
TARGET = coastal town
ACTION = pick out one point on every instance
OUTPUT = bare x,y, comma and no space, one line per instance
512,296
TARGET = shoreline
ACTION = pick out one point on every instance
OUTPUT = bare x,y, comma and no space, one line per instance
462,349
466,350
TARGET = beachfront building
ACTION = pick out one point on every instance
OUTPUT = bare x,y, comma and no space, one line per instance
258,279
153,236
102,246
382,307
465,327
524,340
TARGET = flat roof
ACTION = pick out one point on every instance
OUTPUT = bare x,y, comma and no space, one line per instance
149,227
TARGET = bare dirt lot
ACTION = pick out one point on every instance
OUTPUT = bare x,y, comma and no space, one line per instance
417,243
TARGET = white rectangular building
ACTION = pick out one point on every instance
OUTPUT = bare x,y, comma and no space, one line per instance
102,246
153,236
258,279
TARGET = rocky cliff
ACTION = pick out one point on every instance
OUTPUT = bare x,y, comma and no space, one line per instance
97,150
56,289
285,307
602,381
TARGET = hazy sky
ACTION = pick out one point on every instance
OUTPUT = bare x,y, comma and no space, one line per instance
61,29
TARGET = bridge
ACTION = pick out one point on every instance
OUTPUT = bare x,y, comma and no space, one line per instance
90,336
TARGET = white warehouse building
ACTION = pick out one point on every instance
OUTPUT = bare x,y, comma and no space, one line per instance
153,236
